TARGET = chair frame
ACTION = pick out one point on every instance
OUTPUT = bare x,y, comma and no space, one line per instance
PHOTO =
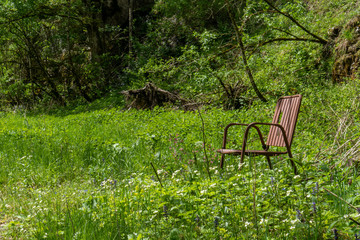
287,140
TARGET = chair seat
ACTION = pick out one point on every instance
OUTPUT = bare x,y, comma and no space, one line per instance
250,152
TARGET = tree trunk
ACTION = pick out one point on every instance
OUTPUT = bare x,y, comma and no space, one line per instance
243,54
131,5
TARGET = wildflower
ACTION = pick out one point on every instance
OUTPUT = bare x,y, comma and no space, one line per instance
357,236
165,208
293,222
197,219
298,214
272,180
263,221
316,188
358,210
314,206
336,235
216,222
288,192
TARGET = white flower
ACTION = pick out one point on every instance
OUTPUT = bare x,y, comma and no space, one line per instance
175,173
294,221
213,185
263,221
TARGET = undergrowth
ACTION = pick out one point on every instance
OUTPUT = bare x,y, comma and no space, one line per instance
115,174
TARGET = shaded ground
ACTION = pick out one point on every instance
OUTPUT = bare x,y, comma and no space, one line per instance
347,51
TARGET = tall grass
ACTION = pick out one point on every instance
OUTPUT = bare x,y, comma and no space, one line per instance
88,175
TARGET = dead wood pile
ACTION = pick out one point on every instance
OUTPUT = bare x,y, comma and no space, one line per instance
150,96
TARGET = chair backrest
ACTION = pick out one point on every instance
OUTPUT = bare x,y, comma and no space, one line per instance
286,114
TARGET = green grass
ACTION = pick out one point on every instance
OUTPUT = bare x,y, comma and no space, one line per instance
87,174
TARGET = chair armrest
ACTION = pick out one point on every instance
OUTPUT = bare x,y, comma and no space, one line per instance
242,124
254,124
226,131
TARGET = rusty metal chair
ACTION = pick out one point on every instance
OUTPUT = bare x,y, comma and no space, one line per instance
281,132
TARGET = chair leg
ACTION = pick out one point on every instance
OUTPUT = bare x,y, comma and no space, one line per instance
292,163
222,161
294,166
269,162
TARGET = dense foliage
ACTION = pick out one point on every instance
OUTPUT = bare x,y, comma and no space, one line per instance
92,170
221,51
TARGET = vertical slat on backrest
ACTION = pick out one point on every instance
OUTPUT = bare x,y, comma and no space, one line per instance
285,120
293,118
271,140
287,108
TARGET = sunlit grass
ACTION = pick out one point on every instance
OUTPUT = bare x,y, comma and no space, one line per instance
89,175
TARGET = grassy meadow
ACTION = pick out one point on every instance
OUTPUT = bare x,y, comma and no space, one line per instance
80,174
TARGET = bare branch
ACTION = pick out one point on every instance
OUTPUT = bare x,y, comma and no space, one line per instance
320,40
287,39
